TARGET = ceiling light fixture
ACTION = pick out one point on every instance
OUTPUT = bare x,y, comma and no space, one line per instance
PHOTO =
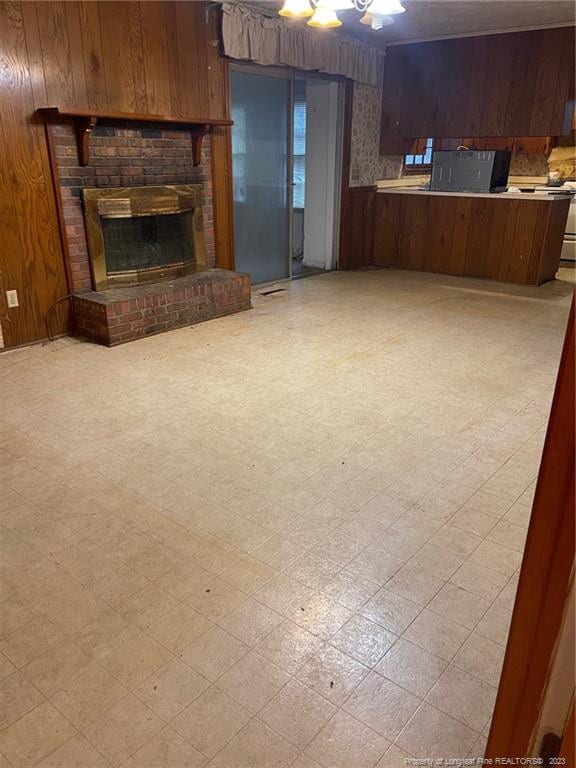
336,5
376,21
324,18
377,13
386,7
296,9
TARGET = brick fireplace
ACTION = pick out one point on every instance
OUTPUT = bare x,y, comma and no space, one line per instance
130,157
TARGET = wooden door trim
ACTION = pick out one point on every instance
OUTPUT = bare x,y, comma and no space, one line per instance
348,106
568,748
545,576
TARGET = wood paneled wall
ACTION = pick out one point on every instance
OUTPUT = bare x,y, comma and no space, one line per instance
357,228
514,84
152,57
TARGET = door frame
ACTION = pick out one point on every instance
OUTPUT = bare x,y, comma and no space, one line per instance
545,579
342,139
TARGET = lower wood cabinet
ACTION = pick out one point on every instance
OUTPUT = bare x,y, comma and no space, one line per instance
512,240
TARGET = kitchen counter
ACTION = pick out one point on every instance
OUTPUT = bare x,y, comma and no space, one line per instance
415,180
529,196
509,237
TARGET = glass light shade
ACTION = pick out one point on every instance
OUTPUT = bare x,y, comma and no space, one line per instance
385,7
296,9
375,21
381,21
324,18
336,5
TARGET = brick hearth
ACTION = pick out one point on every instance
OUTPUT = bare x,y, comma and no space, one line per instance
131,155
117,315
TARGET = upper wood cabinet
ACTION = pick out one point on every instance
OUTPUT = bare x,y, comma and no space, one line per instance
527,145
515,84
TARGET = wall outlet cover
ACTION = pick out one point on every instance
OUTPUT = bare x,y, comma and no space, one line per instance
12,299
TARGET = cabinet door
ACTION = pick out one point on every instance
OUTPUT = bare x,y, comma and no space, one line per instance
496,143
531,145
475,142
447,143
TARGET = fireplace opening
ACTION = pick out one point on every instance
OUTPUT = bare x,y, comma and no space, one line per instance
142,234
147,242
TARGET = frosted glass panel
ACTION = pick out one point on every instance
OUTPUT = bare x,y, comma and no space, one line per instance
260,163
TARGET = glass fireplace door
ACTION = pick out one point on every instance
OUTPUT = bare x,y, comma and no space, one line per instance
261,152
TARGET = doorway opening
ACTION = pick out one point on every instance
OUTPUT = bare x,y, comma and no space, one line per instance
286,152
315,175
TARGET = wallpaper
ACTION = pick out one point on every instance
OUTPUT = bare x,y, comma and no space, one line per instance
528,165
366,163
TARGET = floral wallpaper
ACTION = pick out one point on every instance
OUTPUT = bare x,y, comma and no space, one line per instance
367,165
528,165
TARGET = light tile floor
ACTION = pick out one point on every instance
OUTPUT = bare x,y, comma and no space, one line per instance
285,538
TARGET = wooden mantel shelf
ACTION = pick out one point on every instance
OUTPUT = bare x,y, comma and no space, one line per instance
85,120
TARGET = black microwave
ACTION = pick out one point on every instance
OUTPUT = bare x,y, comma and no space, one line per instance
470,170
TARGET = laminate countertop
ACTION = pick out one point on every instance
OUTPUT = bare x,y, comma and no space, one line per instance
524,196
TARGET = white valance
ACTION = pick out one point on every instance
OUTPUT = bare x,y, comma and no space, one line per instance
250,35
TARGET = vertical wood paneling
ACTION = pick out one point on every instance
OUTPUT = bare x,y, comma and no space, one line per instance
34,50
392,121
186,26
137,58
556,225
514,84
93,56
9,240
565,89
357,230
153,22
36,269
56,56
457,255
513,241
513,220
498,71
525,51
476,82
121,34
125,56
455,91
217,65
546,80
74,26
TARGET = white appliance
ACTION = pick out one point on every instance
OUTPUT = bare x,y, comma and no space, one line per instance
569,245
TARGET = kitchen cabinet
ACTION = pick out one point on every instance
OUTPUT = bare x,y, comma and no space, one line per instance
513,84
509,238
533,145
527,145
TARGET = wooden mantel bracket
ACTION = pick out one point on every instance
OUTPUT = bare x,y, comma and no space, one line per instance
83,130
84,120
198,133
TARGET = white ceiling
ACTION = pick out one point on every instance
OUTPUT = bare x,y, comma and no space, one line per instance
431,19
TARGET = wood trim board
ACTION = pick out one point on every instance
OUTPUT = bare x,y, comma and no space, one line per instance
545,576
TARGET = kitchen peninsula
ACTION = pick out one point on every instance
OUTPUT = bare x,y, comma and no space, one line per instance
508,237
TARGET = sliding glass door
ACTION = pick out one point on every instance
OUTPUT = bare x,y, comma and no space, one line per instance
261,164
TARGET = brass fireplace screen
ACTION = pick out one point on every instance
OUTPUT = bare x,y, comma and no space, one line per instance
143,234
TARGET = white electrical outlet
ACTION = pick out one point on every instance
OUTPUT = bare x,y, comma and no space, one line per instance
12,299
